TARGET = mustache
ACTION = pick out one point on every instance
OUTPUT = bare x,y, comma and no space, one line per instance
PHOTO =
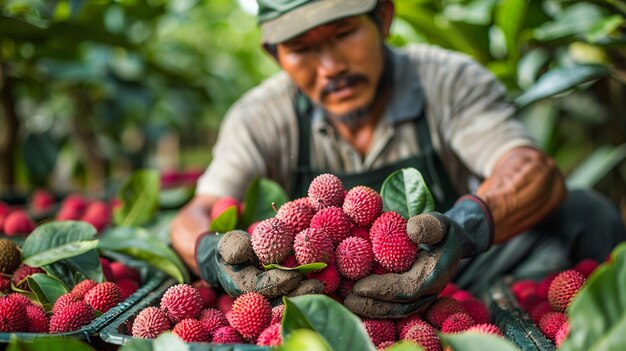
342,81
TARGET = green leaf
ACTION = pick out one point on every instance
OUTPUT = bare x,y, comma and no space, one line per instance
305,268
596,166
304,340
404,345
340,328
477,342
405,192
49,343
57,240
226,221
87,264
138,344
561,79
258,200
61,271
46,288
61,252
573,20
597,314
510,19
604,28
169,341
138,243
139,194
175,198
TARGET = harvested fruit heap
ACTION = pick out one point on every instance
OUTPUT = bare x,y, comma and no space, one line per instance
71,311
546,301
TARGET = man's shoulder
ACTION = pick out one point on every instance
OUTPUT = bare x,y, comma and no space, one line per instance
278,89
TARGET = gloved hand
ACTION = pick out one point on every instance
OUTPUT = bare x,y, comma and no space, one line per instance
464,231
228,260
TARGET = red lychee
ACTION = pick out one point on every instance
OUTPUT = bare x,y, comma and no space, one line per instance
544,285
313,245
271,336
563,289
424,335
392,247
354,258
23,272
540,310
586,266
272,240
360,232
380,330
561,334
37,320
81,288
550,324
251,314
20,299
12,315
106,269
363,205
334,222
297,214
41,201
18,223
225,303
127,287
122,271
65,300
222,205
104,296
5,284
449,290
208,295
277,313
477,310
226,335
523,289
73,317
72,207
150,322
402,324
326,190
180,302
456,323
345,287
191,330
212,319
441,309
98,214
329,276
485,328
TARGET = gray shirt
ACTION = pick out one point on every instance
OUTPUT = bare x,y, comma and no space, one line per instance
471,124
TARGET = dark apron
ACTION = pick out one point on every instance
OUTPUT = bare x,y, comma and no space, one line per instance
427,162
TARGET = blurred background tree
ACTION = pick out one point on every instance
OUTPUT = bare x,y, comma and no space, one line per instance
93,89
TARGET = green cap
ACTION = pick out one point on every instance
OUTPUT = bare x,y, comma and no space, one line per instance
281,20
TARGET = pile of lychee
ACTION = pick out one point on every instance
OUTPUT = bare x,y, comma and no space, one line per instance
20,220
546,301
71,311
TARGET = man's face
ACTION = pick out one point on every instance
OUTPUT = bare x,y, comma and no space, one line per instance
337,65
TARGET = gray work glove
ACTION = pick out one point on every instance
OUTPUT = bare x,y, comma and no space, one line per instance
464,231
228,260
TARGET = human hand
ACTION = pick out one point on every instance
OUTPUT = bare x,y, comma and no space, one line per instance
463,231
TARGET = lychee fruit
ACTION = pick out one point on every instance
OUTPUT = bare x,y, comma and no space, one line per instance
550,324
354,258
65,300
106,269
277,313
540,310
329,276
73,317
523,288
563,289
345,287
98,214
37,320
12,315
561,334
290,262
441,309
485,328
251,314
72,208
208,295
191,330
5,283
378,269
251,227
272,241
380,330
180,302
334,222
222,204
461,295
392,247
81,288
326,190
477,310
212,319
363,205
401,324
9,256
586,266
226,335
271,336
150,322
297,214
104,296
41,201
127,287
18,223
449,290
225,303
544,285
313,245
456,323
22,273
360,232
20,299
122,271
423,334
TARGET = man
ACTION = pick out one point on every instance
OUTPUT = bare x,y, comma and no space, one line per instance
347,104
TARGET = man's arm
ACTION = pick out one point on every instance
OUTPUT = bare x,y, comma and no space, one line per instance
524,187
192,221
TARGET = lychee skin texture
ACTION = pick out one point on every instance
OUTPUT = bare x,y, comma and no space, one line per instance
313,245
354,258
402,324
441,309
208,295
277,313
225,303
191,330
477,310
424,335
12,316
81,288
586,266
212,319
380,330
544,285
561,334
9,256
272,241
326,190
180,302
363,205
222,205
251,314
65,300
485,328
20,299
456,323
550,324
73,317
540,310
392,247
104,296
150,322
297,214
98,214
329,276
360,232
563,289
271,336
37,320
18,223
334,222
5,284
127,287
23,272
226,335
121,271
